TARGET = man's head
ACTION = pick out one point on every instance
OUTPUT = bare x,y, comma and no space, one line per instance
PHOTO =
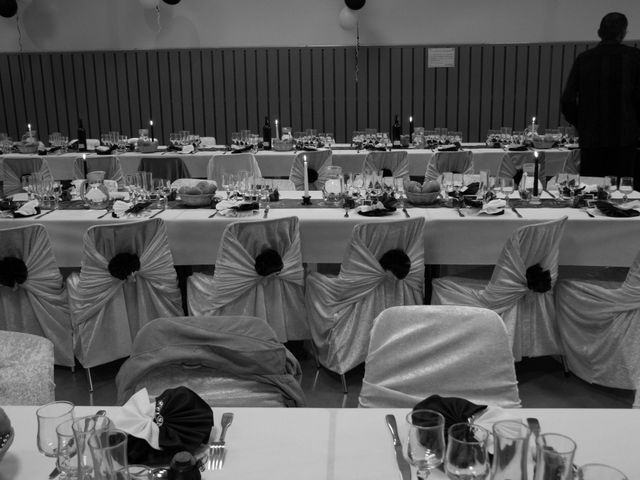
613,27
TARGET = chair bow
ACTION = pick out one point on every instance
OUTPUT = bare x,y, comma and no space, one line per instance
13,272
397,262
538,280
269,262
123,265
312,175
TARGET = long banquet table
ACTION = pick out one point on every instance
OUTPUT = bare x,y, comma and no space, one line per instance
278,164
448,239
327,444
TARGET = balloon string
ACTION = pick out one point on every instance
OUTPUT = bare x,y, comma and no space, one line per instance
158,18
357,48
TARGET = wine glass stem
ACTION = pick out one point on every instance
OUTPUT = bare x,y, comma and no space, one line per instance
422,474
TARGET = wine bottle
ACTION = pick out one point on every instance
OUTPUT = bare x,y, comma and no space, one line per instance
396,132
266,134
82,137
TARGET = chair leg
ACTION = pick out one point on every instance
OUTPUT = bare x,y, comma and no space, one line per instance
564,366
344,383
88,370
315,355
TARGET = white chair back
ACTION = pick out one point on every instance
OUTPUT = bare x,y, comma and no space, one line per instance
317,163
15,168
456,162
110,165
394,163
232,164
452,351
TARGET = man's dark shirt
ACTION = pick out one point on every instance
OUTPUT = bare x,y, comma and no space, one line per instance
602,96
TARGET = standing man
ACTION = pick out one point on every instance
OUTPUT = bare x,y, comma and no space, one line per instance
602,100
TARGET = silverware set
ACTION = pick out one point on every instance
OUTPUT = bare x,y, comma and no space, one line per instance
218,449
45,213
403,466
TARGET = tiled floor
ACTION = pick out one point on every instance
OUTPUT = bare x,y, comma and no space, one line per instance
542,384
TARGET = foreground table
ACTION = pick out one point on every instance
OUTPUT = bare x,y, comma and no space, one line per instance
327,444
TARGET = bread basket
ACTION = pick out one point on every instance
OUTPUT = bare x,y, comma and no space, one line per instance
203,200
422,198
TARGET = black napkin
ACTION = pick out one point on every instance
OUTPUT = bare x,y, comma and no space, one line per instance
138,207
274,196
472,201
173,148
449,148
397,262
246,206
453,409
184,420
309,148
472,189
611,210
518,148
377,212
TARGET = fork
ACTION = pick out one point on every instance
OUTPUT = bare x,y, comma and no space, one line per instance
266,210
219,448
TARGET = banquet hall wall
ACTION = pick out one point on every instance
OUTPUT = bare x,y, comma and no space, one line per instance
214,91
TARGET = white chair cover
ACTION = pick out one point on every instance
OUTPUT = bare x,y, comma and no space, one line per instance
108,164
26,369
396,162
39,305
227,361
599,325
512,161
16,168
456,162
108,312
232,163
341,309
451,351
529,316
318,161
236,288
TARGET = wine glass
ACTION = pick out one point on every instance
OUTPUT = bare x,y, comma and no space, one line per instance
425,445
49,417
626,187
67,452
610,184
467,455
398,186
598,471
506,187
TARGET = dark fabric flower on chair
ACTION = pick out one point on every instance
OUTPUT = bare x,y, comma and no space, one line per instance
269,262
13,271
538,280
397,262
312,175
123,265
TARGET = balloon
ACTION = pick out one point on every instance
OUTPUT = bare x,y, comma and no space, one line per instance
171,2
8,8
347,18
149,3
355,4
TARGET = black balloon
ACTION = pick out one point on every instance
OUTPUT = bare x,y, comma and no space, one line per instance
8,8
171,2
354,4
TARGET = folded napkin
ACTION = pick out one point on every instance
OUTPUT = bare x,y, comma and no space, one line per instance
174,148
240,149
179,420
376,210
517,148
121,208
104,150
232,208
619,195
494,207
453,409
611,210
27,210
309,148
449,148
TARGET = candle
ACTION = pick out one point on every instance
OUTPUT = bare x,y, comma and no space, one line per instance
306,177
277,133
84,164
29,128
411,129
151,129
533,123
535,174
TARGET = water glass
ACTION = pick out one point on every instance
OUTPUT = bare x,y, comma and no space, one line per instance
109,454
510,450
49,417
84,429
626,187
425,445
467,455
554,457
67,453
610,184
598,471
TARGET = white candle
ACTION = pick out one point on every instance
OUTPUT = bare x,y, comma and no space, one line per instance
29,128
151,129
277,134
533,122
306,177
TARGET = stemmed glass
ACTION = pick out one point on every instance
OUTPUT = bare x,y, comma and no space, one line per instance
598,471
610,184
398,186
162,187
626,187
506,187
425,445
467,455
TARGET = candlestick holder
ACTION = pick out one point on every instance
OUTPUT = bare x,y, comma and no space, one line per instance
306,200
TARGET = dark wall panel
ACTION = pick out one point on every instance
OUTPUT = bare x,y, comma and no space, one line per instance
215,92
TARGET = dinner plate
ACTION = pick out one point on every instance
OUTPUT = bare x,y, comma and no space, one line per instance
378,212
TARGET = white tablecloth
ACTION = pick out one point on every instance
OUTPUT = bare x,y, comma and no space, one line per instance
278,164
328,444
448,239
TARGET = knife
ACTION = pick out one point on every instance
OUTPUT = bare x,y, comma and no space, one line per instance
406,214
403,466
516,212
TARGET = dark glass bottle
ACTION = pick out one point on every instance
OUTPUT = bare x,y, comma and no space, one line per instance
82,137
396,132
183,467
266,134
